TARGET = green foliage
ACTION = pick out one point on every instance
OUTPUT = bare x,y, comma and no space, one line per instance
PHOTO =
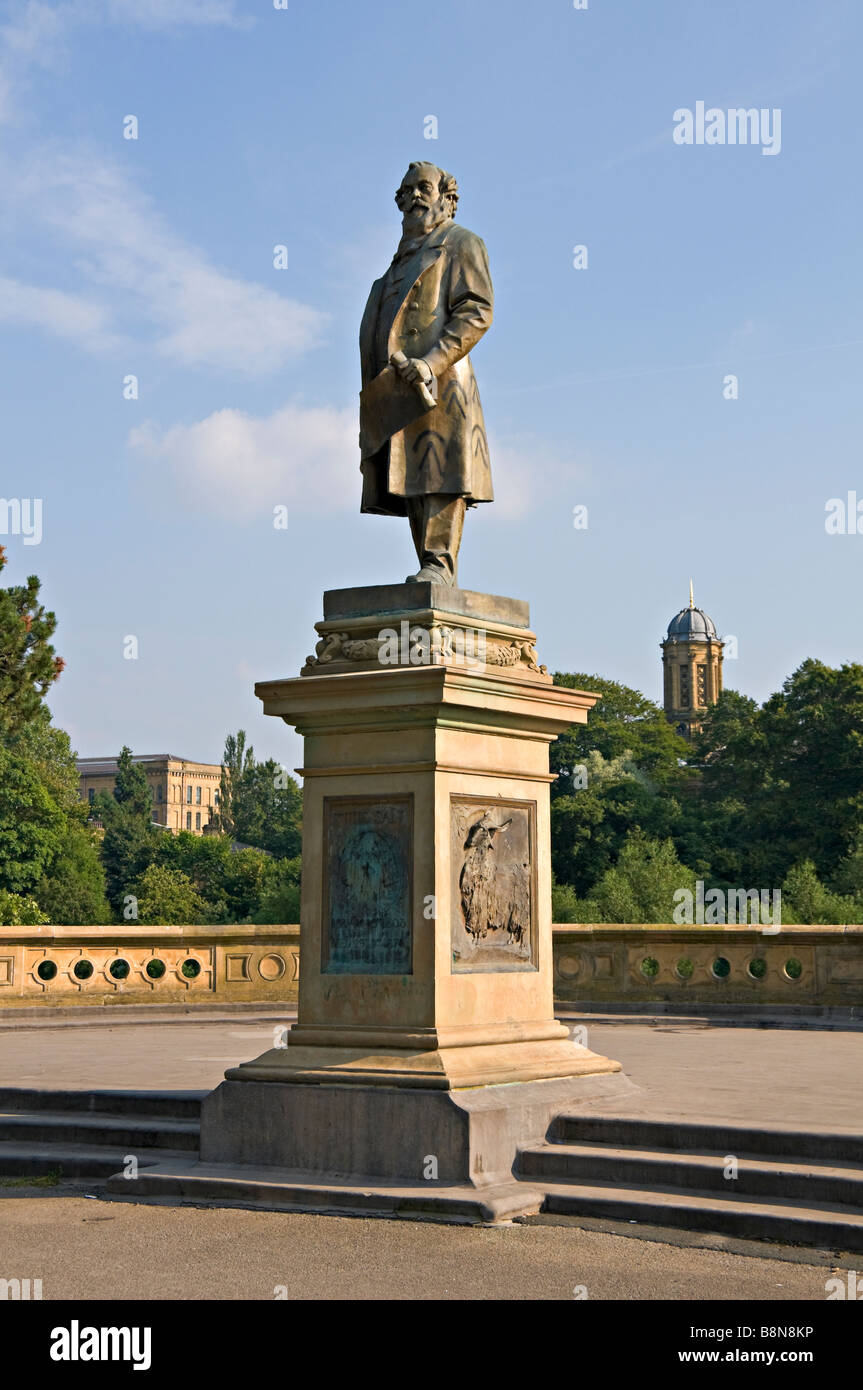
622,723
762,797
32,825
28,665
280,900
19,911
639,888
167,897
269,810
784,783
236,760
72,891
260,805
229,881
131,788
46,848
805,899
130,841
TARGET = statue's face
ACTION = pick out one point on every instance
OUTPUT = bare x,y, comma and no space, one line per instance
422,204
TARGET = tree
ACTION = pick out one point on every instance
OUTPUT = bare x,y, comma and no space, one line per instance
623,722
259,804
269,813
28,664
229,881
167,897
280,900
72,890
31,823
236,759
129,843
19,911
619,772
639,888
805,899
611,797
784,783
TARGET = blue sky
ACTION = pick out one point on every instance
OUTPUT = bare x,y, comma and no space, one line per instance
601,387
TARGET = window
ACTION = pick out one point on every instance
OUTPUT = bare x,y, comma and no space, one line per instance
189,795
197,796
197,820
215,798
91,795
159,793
188,820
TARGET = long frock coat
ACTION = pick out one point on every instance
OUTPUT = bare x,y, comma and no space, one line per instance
445,307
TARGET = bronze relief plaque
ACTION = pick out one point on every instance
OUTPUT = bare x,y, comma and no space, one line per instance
368,854
493,884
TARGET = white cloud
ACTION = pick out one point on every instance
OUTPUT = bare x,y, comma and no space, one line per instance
67,315
36,32
172,14
240,467
194,313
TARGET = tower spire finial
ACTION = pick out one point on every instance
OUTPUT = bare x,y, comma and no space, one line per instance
691,599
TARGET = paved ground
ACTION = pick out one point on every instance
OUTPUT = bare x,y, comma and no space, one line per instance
89,1248
686,1069
84,1249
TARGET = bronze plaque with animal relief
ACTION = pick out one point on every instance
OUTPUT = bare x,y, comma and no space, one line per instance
493,884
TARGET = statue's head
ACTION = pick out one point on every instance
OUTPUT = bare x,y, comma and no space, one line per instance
426,196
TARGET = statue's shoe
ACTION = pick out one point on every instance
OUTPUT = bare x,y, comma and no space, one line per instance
430,574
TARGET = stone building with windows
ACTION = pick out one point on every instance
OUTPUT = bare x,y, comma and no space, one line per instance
692,668
185,795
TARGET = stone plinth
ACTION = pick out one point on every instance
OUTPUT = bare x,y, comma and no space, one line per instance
425,1021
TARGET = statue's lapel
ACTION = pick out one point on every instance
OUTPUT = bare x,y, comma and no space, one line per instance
420,262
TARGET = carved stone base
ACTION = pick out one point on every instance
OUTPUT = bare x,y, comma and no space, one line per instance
426,1029
392,625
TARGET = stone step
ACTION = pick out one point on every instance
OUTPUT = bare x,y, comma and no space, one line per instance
272,1189
637,1132
813,1224
130,1132
19,1160
841,1184
177,1105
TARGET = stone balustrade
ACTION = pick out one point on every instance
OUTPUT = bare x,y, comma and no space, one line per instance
595,967
62,966
623,966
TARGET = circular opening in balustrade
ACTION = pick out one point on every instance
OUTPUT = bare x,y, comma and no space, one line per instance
119,969
684,969
155,968
721,968
793,968
757,968
191,968
82,969
46,970
650,967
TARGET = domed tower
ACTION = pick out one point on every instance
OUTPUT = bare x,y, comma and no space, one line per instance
692,668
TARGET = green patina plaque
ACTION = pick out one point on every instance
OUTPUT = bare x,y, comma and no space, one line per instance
368,851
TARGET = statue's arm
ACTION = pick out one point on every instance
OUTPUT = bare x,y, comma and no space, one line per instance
470,305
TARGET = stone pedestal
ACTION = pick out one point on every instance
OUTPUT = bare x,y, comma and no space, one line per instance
426,1049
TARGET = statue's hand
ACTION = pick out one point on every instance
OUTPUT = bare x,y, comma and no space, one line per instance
415,370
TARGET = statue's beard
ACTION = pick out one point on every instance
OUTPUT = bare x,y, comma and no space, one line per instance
419,220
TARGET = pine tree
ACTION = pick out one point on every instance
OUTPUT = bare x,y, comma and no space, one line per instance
28,665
